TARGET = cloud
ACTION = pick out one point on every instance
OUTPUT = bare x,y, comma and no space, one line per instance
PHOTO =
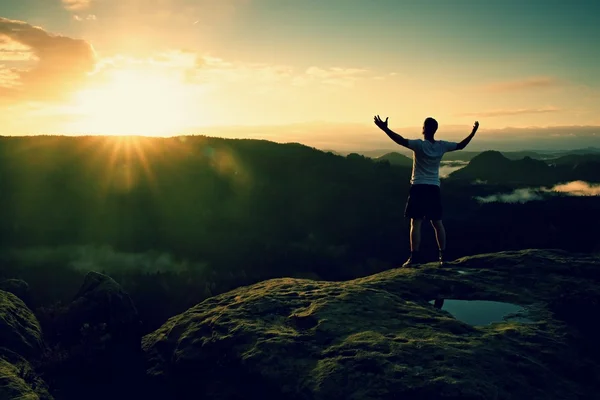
517,196
8,78
11,50
345,77
57,64
524,195
578,188
502,113
448,167
76,5
209,69
162,15
524,84
90,17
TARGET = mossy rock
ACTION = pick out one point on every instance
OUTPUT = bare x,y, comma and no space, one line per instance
379,338
18,381
19,329
17,287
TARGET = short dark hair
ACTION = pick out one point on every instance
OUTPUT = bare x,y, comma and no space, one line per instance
430,125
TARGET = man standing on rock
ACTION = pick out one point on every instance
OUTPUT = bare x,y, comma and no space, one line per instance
425,200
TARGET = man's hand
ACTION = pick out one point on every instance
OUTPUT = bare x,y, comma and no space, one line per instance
466,141
383,125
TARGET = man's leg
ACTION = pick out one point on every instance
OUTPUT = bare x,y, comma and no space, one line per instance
415,242
440,235
415,234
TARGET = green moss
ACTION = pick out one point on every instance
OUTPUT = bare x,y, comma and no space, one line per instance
379,338
19,329
18,380
12,386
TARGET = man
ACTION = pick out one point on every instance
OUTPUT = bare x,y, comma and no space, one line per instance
425,200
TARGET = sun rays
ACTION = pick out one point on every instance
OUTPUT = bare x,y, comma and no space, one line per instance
126,162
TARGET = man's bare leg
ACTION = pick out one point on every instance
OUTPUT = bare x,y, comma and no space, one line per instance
415,234
415,242
440,235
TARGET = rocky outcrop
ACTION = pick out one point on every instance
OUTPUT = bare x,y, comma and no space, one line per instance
96,342
379,337
17,287
101,304
18,380
19,329
20,338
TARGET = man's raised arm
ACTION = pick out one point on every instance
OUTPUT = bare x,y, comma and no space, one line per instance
383,125
466,140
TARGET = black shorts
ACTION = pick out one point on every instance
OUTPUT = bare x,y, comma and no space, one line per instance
424,202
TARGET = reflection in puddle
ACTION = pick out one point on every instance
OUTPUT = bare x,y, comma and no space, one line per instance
481,312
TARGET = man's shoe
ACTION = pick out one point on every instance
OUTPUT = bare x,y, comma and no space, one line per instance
442,261
412,261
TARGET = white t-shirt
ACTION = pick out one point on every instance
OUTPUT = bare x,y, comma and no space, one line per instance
426,160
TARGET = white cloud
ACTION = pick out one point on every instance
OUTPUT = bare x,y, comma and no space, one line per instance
74,5
517,196
524,195
345,77
213,69
210,70
89,17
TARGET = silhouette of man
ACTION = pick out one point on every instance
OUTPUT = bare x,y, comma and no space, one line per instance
425,200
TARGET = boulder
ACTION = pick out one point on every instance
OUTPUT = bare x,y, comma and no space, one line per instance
97,344
17,287
19,329
20,337
102,305
379,337
18,381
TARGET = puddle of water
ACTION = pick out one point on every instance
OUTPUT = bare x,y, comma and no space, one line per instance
481,312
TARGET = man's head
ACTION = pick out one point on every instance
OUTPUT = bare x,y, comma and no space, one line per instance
429,127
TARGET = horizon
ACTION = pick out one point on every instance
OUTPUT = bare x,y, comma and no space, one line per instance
284,72
377,149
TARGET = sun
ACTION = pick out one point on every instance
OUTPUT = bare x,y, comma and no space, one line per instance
134,102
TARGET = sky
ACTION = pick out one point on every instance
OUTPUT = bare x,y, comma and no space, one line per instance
311,71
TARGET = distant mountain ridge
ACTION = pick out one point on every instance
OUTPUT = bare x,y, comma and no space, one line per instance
493,166
467,155
396,159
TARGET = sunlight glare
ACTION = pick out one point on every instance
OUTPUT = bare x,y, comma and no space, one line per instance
134,102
